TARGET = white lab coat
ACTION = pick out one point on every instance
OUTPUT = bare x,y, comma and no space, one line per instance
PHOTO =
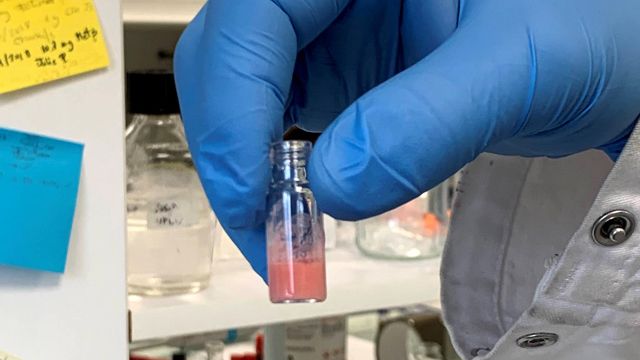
521,260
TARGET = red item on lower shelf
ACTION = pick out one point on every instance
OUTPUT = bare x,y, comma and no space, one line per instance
247,356
260,346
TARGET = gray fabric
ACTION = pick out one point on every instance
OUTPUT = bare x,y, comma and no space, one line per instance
513,219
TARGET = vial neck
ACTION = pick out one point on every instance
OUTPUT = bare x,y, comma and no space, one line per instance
289,159
290,172
168,120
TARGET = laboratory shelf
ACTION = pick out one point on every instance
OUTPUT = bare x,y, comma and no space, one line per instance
178,12
237,297
357,349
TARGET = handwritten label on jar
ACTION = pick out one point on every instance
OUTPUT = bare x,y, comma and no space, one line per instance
46,40
171,213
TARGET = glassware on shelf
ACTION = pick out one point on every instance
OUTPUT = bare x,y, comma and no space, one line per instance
294,229
345,233
415,230
169,221
214,349
330,232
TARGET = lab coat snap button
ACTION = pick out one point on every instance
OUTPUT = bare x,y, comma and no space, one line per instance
480,352
537,340
613,228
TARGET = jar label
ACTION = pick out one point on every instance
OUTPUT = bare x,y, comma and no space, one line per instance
169,213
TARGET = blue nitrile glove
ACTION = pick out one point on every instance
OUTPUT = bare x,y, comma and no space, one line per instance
407,100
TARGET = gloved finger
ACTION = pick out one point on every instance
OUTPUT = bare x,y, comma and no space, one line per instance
420,127
337,69
233,68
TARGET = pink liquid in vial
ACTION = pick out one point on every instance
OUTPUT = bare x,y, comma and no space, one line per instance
297,281
296,261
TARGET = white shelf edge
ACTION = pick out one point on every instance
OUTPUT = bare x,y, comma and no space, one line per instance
177,12
237,298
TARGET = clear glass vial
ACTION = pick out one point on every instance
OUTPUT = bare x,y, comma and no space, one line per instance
415,230
169,221
295,233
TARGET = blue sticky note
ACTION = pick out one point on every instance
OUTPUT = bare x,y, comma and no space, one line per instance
38,190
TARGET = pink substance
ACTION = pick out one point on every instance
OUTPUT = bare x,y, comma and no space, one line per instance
297,281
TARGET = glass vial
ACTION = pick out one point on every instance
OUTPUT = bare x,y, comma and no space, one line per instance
295,234
169,221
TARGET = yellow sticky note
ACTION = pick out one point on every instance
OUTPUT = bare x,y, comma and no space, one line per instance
3,355
46,40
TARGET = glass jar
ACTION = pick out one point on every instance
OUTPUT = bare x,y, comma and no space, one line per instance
294,229
330,232
169,221
415,230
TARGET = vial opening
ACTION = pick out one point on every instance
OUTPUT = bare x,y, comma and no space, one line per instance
290,150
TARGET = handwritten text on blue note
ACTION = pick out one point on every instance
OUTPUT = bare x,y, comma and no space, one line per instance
38,189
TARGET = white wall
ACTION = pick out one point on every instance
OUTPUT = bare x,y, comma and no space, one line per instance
82,314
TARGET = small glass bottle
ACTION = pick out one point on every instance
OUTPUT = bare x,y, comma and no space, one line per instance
169,221
295,234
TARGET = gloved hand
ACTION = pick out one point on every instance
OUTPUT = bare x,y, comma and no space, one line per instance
409,92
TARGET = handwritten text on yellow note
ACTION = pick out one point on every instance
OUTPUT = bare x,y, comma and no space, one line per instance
45,40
